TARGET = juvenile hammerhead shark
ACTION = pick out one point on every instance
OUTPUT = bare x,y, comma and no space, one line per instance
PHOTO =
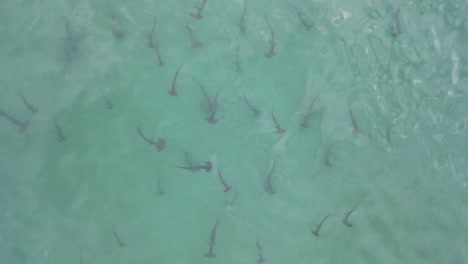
210,253
316,231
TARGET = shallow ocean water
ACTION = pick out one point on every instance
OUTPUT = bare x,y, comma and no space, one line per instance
398,67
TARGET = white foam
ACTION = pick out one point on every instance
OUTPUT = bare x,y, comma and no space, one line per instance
455,67
436,39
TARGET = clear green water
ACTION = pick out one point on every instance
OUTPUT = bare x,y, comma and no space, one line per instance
59,200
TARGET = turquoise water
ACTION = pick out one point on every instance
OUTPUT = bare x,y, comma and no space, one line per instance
404,78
